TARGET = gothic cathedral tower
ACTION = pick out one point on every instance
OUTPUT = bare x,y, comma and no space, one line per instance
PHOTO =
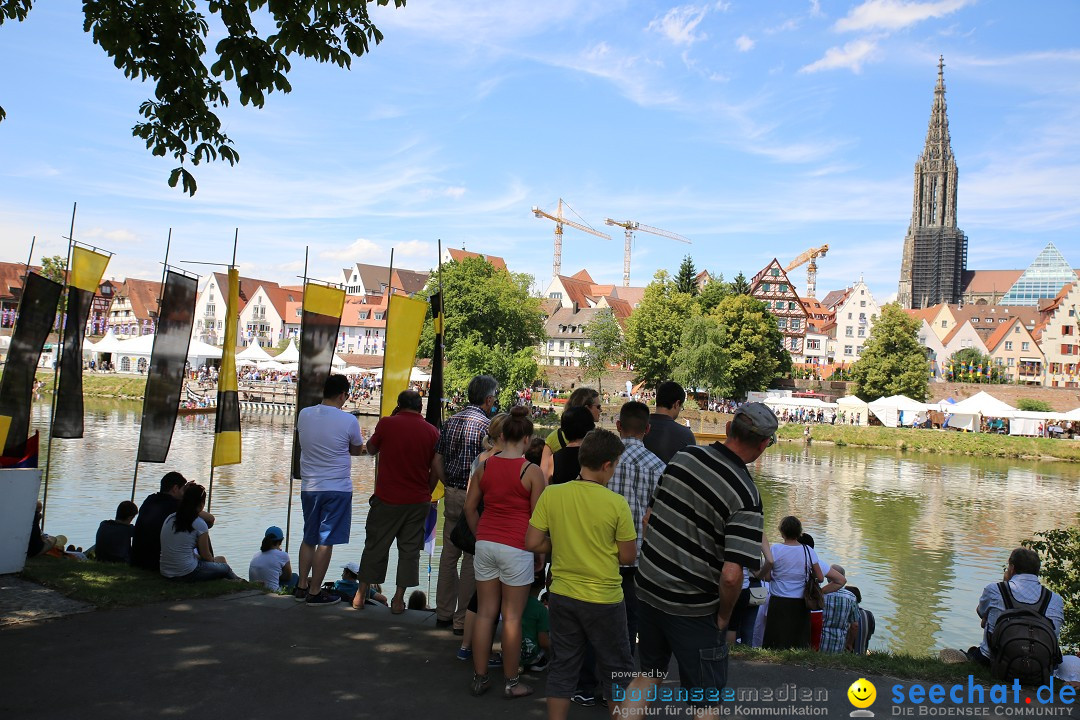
935,249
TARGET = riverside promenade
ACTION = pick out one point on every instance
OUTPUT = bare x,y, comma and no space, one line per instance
252,655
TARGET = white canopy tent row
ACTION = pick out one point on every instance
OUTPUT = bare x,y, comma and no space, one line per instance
253,352
900,411
134,355
968,413
853,406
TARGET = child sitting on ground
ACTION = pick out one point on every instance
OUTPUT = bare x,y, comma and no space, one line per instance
417,601
589,532
271,566
346,587
535,641
113,540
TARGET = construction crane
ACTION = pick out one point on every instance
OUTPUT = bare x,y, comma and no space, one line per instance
810,255
629,226
556,265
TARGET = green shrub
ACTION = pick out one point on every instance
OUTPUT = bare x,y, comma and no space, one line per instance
1059,550
1032,405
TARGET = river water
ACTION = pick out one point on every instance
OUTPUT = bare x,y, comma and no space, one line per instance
920,535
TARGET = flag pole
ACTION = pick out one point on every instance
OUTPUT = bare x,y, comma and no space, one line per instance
296,414
56,366
161,294
228,318
386,333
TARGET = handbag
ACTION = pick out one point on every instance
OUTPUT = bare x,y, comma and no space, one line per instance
462,536
812,595
759,596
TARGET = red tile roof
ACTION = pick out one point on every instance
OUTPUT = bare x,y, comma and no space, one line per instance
999,334
460,255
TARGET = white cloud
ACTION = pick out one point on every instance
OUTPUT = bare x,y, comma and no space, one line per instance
679,23
630,73
895,14
851,56
744,43
115,236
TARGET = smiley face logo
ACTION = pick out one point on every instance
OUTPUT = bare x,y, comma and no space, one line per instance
862,693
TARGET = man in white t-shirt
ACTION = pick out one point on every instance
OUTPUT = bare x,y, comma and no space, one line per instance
329,437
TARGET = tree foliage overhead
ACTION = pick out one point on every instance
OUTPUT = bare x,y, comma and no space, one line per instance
754,343
164,41
703,360
513,370
892,361
685,279
654,331
605,345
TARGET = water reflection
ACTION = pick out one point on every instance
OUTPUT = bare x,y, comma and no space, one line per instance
920,536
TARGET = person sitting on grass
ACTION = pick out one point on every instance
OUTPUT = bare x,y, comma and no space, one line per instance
186,552
113,540
271,566
589,532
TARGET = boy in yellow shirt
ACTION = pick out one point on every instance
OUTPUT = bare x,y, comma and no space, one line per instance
589,532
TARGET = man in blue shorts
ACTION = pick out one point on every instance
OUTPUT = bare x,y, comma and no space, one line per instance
329,437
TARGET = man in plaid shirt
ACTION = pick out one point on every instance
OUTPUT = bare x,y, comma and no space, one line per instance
461,440
635,479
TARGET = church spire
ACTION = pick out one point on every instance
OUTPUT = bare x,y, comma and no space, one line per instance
938,143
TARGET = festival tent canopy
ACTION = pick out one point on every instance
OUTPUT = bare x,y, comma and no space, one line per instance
1033,423
291,354
352,370
338,361
967,414
853,405
418,375
1073,415
271,365
809,403
898,410
108,344
253,352
142,345
199,349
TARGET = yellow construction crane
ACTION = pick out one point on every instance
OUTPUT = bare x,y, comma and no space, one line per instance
810,255
629,226
556,266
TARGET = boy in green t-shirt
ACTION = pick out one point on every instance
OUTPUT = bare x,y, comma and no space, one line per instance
535,638
589,532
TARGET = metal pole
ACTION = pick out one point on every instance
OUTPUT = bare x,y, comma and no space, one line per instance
296,415
386,332
228,319
56,369
161,295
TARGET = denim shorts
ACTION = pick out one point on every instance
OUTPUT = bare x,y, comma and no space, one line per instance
699,646
327,517
509,565
207,570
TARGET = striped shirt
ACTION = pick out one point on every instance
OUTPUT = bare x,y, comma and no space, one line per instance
461,440
706,511
635,479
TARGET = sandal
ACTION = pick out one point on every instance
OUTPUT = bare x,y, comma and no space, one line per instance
396,609
514,688
361,596
480,684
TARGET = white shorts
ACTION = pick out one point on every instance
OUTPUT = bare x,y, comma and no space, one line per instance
509,565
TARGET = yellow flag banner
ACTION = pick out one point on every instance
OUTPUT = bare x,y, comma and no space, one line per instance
405,320
227,422
87,268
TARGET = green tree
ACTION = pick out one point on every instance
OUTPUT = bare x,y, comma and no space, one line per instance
55,268
685,279
754,342
471,357
892,361
481,299
703,360
1032,405
654,331
164,41
604,345
740,285
970,365
1059,550
710,296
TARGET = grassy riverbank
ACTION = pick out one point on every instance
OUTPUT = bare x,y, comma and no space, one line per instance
940,442
103,385
109,585
904,667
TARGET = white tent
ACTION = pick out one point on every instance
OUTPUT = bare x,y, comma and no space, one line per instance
108,344
1035,424
271,365
291,354
794,402
1073,415
352,370
253,352
199,352
968,414
338,361
899,410
852,405
418,375
142,345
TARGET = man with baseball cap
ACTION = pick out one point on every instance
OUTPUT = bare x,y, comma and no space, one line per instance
704,526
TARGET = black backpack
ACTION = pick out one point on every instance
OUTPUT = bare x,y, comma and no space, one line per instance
1024,644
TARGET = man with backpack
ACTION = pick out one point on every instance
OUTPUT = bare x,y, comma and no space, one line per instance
1021,621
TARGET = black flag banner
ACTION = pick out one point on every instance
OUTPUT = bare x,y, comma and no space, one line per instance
435,388
87,268
165,378
37,313
322,316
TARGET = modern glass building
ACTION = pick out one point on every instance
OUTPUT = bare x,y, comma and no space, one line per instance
1043,279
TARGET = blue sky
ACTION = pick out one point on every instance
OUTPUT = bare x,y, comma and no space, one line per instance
757,129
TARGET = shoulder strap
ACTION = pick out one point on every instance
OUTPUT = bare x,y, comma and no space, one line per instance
809,565
1044,600
1006,595
524,467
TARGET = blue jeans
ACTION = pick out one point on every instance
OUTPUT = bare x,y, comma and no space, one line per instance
209,571
699,646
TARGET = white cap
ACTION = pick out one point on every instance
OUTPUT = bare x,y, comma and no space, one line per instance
1069,669
352,567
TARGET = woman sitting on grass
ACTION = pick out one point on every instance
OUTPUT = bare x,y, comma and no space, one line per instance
186,553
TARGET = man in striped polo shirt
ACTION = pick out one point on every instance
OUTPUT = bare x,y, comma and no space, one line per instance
704,526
